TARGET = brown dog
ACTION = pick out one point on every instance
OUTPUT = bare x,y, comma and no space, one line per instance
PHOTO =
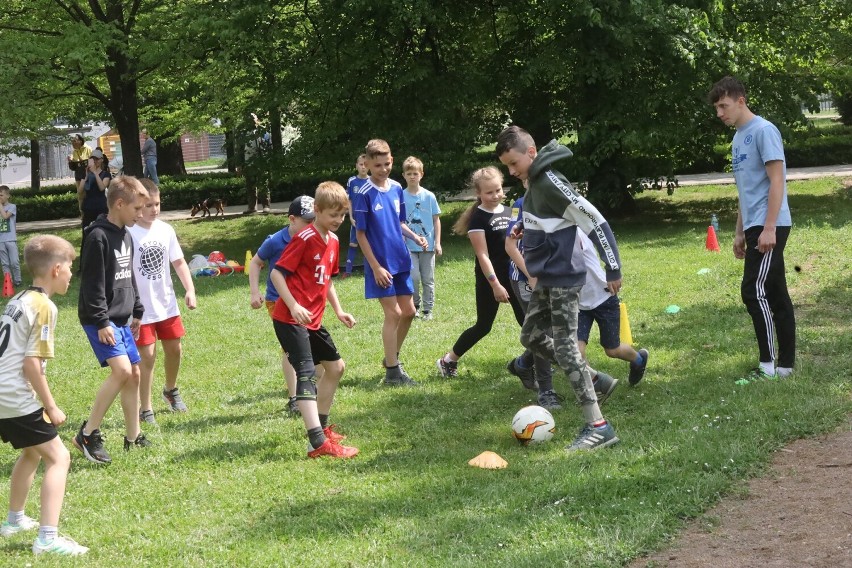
208,204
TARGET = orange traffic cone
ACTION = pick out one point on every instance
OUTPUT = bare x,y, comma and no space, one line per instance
8,289
712,244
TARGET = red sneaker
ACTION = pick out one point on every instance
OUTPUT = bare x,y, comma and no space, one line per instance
331,434
329,448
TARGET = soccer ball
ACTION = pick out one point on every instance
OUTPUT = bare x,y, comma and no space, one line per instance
533,425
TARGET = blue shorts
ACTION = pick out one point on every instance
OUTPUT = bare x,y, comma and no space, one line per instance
401,285
124,344
608,316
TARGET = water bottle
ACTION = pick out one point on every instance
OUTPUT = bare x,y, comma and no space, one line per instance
714,221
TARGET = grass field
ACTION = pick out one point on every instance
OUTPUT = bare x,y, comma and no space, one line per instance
228,483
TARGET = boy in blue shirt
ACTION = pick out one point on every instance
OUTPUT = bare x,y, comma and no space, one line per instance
423,218
763,226
378,208
354,183
301,214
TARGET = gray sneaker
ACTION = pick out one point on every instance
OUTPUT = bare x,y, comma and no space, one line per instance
174,400
591,438
551,400
397,377
147,416
604,385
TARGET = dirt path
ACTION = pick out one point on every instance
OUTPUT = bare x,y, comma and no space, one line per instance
799,514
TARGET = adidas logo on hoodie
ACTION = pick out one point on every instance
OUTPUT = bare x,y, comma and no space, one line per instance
122,256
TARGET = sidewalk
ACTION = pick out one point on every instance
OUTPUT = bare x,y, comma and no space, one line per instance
281,207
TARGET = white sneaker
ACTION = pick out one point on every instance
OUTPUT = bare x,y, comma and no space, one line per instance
26,524
60,545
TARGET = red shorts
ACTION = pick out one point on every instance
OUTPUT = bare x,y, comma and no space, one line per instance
171,328
270,307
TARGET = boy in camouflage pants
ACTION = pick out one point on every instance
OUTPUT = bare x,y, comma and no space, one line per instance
553,213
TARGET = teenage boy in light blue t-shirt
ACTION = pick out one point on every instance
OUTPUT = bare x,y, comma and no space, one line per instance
378,210
763,226
423,218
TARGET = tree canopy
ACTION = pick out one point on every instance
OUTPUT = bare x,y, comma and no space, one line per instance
623,80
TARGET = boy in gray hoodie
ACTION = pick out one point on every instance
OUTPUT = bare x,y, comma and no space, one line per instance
553,213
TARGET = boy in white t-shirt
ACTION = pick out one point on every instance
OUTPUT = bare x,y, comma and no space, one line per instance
155,246
598,305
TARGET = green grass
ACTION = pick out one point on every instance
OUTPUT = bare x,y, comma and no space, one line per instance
217,162
229,484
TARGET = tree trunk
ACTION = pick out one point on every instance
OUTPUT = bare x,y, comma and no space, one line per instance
35,165
170,158
124,106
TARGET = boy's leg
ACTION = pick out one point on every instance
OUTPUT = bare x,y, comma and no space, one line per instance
564,306
172,352
415,277
390,328
121,373
780,302
146,374
21,480
15,262
327,386
353,249
130,404
57,461
5,261
407,311
427,277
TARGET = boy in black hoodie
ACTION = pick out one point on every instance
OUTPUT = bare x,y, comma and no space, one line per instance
110,312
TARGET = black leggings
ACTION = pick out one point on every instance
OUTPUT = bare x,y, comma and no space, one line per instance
486,311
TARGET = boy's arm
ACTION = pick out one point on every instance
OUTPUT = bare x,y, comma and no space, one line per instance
739,237
775,173
515,254
299,312
182,271
382,276
419,240
436,219
33,372
93,285
346,318
254,268
6,213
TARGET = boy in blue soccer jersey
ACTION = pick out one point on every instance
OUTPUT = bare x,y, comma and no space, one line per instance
378,208
424,219
301,214
354,183
763,226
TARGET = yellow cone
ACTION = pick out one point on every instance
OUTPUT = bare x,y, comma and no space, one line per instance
626,336
248,260
488,460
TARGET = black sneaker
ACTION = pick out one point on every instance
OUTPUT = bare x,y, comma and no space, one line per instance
638,371
397,377
551,400
604,385
527,376
447,370
92,446
293,407
140,442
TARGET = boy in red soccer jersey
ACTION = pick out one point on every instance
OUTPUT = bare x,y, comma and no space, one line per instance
302,277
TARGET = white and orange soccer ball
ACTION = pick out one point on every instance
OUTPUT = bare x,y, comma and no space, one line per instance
533,425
